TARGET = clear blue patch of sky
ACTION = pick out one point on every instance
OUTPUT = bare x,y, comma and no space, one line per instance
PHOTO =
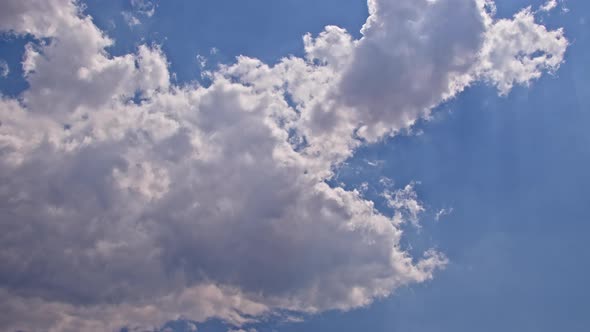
12,49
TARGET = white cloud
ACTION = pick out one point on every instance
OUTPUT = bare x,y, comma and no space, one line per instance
196,202
201,61
139,8
144,7
406,204
38,17
518,50
130,19
549,6
4,68
443,212
411,58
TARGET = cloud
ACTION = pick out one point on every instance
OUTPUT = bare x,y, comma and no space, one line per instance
130,19
139,9
518,50
443,212
202,202
144,7
549,6
406,204
411,58
37,17
4,68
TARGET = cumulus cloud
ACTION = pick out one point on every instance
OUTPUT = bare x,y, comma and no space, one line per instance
204,202
411,57
37,17
518,50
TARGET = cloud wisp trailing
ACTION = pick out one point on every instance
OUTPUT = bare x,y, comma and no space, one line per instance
204,202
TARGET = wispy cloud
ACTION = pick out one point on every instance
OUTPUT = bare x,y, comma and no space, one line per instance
4,68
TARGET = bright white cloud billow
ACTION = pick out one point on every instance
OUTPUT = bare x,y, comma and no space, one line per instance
206,202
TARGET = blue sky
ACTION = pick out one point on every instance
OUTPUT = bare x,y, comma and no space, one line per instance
510,171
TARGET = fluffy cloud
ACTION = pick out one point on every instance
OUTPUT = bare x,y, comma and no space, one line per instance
413,55
518,50
211,201
37,17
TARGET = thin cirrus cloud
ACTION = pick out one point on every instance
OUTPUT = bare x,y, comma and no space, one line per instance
205,202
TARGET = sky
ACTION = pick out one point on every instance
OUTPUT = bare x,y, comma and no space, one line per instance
226,166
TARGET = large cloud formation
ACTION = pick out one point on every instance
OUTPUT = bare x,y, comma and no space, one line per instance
191,201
